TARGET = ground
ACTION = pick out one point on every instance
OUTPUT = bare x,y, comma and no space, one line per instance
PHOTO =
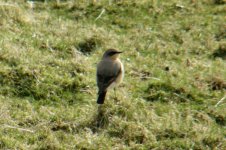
173,95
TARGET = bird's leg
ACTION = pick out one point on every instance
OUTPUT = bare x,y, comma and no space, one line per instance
99,108
100,116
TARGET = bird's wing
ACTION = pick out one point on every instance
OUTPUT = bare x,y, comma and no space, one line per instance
107,75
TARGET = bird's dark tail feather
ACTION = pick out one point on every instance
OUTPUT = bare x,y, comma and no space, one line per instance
101,97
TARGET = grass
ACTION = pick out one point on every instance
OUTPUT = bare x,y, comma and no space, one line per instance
174,57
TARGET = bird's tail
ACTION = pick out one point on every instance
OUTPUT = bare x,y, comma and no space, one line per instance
101,97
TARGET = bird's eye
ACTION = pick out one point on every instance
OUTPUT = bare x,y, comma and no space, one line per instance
112,53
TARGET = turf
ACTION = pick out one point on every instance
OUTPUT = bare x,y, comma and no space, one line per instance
173,94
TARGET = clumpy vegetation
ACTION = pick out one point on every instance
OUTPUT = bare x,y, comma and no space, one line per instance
173,95
88,45
220,52
166,92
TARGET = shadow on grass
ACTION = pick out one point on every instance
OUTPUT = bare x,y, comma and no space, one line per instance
166,92
220,52
94,123
89,45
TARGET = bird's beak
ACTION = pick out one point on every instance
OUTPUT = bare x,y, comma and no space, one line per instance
119,52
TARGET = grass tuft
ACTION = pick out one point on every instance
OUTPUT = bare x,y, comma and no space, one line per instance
220,52
166,92
217,83
89,45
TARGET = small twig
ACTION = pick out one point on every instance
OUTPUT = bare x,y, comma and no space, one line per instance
103,10
179,6
155,78
21,129
31,4
221,100
181,97
11,5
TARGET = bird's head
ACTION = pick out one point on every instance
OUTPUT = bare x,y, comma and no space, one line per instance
111,53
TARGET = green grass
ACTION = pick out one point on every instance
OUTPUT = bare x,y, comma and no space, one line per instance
174,57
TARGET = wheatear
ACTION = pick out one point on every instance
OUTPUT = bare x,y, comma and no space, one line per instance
110,72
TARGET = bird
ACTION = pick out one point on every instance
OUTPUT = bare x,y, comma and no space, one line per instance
110,73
